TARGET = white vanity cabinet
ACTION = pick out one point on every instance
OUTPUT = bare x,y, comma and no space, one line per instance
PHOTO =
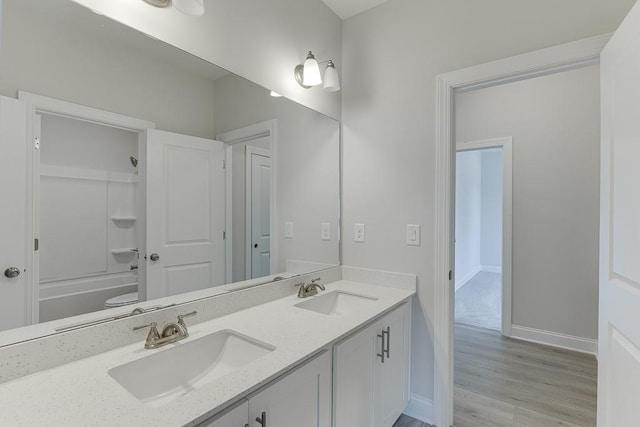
371,372
301,398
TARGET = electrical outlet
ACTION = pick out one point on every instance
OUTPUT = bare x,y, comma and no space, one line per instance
358,233
288,230
325,233
413,235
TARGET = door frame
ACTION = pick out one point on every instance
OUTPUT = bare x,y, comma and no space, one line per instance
39,104
248,230
538,63
506,144
268,128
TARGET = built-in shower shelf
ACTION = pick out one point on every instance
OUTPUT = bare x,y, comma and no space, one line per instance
124,251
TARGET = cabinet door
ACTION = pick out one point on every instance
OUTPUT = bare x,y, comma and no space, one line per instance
301,399
236,417
391,382
353,369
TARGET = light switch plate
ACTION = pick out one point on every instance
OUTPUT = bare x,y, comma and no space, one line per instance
413,235
288,230
325,233
358,233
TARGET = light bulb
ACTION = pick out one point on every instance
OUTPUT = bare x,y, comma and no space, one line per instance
311,72
331,79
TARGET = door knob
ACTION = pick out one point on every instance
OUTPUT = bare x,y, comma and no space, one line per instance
12,272
255,245
154,257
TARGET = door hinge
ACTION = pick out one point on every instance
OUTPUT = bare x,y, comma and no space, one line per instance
450,275
224,235
224,164
36,244
36,143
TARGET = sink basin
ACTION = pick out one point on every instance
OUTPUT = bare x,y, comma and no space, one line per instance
336,303
183,367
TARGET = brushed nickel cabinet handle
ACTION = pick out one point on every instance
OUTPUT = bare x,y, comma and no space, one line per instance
387,332
381,354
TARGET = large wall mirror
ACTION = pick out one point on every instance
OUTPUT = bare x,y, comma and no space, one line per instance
132,171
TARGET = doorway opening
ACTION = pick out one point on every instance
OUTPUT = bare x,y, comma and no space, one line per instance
483,230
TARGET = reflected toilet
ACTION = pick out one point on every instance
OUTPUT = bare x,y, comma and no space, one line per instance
122,300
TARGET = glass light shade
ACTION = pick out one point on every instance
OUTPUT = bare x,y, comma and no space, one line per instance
331,79
190,7
311,72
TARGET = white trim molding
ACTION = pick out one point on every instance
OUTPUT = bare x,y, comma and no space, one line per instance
555,339
464,280
420,408
564,57
491,268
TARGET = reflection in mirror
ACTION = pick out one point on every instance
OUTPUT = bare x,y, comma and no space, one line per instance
139,172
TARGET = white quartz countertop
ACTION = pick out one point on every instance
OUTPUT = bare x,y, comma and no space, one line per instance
82,393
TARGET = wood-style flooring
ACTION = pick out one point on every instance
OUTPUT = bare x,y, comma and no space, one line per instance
505,382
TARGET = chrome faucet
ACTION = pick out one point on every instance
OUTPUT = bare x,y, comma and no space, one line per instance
311,289
172,332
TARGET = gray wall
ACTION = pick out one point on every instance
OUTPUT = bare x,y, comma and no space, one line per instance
68,63
260,40
307,170
555,124
468,214
391,56
478,213
491,208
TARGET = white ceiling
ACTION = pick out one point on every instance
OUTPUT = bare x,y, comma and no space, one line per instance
348,8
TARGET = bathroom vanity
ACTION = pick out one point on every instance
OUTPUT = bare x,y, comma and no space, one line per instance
338,358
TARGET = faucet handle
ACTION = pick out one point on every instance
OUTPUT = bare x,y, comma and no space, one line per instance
153,333
182,316
315,280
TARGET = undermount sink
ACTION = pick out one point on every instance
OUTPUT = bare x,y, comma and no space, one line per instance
336,303
161,377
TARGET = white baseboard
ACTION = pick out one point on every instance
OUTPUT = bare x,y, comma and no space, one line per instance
491,268
463,281
420,408
554,339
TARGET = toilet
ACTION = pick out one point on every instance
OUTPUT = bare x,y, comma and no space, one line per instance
122,300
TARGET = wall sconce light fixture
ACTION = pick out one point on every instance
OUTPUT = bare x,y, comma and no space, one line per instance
188,7
308,74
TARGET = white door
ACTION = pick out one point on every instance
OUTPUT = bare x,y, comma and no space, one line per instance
259,211
619,325
185,213
14,291
301,399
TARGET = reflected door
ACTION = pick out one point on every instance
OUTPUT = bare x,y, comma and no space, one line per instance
259,211
185,213
14,295
619,328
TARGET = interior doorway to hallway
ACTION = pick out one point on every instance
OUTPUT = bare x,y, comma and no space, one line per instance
483,234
